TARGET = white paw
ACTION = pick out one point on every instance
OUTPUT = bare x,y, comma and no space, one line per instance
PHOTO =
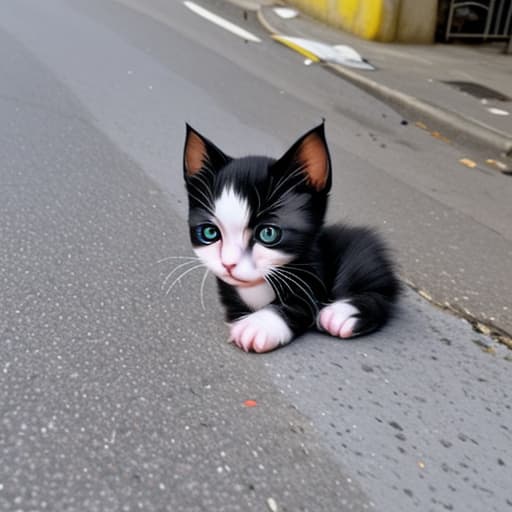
338,319
261,331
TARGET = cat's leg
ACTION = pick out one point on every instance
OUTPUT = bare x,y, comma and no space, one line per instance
356,315
364,286
338,319
258,331
261,331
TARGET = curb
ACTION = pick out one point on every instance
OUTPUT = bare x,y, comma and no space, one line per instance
455,123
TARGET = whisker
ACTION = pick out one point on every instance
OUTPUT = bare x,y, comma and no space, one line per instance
312,274
298,264
208,204
179,278
208,194
295,277
281,182
259,198
284,280
279,201
296,280
178,258
175,269
274,285
284,179
208,169
206,207
290,190
201,292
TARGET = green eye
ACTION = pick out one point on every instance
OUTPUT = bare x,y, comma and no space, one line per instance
207,233
269,235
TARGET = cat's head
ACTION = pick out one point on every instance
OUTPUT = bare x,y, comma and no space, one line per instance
250,215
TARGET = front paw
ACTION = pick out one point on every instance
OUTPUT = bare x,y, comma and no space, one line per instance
261,331
338,319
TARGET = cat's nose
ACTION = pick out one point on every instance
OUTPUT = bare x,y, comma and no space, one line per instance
230,255
229,267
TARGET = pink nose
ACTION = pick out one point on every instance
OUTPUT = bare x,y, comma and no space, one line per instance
229,266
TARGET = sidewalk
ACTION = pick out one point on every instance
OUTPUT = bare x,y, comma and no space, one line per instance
412,77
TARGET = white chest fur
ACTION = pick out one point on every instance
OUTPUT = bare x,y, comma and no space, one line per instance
257,297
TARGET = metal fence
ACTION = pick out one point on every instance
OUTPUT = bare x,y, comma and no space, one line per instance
491,19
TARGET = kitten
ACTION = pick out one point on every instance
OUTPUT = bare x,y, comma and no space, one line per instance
257,224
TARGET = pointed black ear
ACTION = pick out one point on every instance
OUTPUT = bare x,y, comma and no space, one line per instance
311,155
200,152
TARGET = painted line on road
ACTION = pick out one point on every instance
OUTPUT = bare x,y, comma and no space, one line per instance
222,22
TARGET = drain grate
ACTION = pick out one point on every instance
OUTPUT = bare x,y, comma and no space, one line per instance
478,91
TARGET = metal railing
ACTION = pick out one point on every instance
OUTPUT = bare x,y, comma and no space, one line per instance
491,19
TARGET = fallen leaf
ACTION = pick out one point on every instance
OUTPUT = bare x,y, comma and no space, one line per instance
468,163
250,403
421,125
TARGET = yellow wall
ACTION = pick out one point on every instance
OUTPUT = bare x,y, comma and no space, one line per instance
379,20
361,17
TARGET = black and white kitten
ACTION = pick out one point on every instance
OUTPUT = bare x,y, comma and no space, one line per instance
257,224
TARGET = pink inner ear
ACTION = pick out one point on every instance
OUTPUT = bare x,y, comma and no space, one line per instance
313,156
195,154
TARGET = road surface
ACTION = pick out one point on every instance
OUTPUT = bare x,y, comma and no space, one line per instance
118,397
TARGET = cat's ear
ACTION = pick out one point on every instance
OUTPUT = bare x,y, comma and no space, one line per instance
200,152
310,155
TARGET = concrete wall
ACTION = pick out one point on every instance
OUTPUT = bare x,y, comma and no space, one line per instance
416,21
407,21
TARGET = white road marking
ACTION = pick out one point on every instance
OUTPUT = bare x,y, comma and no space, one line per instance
222,22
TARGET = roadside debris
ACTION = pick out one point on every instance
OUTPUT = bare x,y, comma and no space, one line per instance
317,51
437,135
504,168
440,137
250,403
286,13
498,111
479,326
272,505
468,163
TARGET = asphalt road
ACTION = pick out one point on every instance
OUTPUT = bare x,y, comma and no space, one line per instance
117,397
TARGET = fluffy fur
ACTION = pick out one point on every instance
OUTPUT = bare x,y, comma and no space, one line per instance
257,224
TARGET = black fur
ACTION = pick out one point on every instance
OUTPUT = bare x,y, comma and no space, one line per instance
331,263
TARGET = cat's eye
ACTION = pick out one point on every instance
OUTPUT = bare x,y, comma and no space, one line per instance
268,235
207,233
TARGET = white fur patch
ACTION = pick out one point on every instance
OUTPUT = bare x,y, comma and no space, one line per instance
257,297
232,259
338,319
261,331
266,257
233,213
